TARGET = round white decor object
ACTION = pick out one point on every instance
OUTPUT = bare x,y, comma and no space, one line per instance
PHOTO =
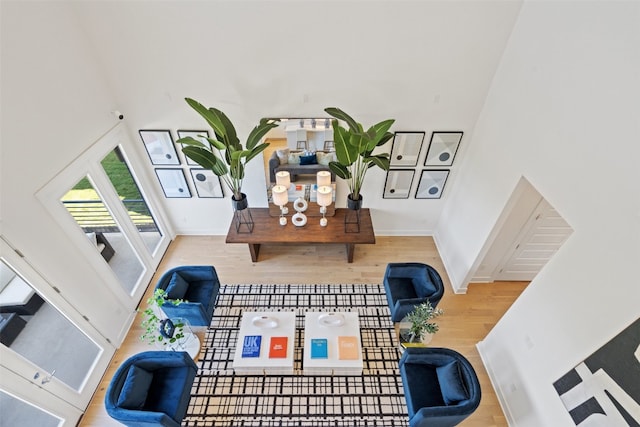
331,319
300,205
265,322
299,219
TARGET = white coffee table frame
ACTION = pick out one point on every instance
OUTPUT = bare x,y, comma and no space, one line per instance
328,325
267,325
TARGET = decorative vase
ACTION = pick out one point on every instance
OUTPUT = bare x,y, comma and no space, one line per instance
241,214
239,204
354,204
352,216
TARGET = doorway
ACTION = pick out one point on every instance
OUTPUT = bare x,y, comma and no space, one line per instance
528,233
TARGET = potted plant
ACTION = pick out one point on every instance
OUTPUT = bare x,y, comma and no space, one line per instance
422,327
158,329
354,151
230,165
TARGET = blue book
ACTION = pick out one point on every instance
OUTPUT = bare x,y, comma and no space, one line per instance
319,348
251,346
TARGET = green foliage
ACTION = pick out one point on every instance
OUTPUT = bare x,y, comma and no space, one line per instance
152,320
420,319
224,155
354,148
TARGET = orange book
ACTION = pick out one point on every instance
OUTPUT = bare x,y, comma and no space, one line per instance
278,347
348,348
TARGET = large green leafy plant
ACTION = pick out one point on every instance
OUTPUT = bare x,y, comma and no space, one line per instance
354,149
224,155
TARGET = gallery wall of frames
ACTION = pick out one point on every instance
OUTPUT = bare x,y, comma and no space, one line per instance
434,170
174,171
181,177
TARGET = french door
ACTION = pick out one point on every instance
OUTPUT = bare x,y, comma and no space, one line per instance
101,203
52,358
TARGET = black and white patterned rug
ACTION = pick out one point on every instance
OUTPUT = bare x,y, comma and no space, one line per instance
375,398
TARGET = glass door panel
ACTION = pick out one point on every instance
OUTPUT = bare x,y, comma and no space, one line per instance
90,213
17,412
35,330
118,172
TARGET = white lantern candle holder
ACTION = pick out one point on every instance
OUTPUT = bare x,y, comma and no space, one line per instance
280,198
284,178
325,194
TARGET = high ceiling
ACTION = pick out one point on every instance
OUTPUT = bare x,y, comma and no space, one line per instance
428,64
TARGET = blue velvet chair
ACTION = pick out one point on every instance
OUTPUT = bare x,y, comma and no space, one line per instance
408,284
440,386
198,285
152,388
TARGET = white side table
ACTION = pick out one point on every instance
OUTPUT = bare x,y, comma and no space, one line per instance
191,344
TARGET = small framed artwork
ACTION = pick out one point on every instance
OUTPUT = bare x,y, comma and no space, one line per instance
160,147
207,183
173,183
406,148
443,148
200,135
398,184
431,184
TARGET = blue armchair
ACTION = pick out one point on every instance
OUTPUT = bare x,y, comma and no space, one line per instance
198,285
408,284
440,386
152,388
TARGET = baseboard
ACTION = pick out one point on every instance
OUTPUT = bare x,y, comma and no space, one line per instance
403,233
496,388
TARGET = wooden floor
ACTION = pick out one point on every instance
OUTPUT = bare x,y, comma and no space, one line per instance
467,318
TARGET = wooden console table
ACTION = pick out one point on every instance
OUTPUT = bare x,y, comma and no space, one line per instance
268,230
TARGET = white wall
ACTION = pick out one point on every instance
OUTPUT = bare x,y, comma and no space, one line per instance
55,103
426,64
562,111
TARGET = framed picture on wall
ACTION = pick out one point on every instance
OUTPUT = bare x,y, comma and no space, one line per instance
160,147
398,184
431,184
207,183
200,135
406,148
443,148
173,183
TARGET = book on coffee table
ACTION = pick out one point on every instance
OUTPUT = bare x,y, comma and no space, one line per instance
278,347
348,348
319,348
251,346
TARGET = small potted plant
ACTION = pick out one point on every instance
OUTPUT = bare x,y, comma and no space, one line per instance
422,327
158,329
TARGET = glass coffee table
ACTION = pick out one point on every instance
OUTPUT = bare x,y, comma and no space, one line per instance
265,343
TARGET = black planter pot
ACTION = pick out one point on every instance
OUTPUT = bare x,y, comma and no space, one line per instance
239,205
242,215
352,218
354,204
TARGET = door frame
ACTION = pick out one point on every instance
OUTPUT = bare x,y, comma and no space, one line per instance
88,164
518,211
